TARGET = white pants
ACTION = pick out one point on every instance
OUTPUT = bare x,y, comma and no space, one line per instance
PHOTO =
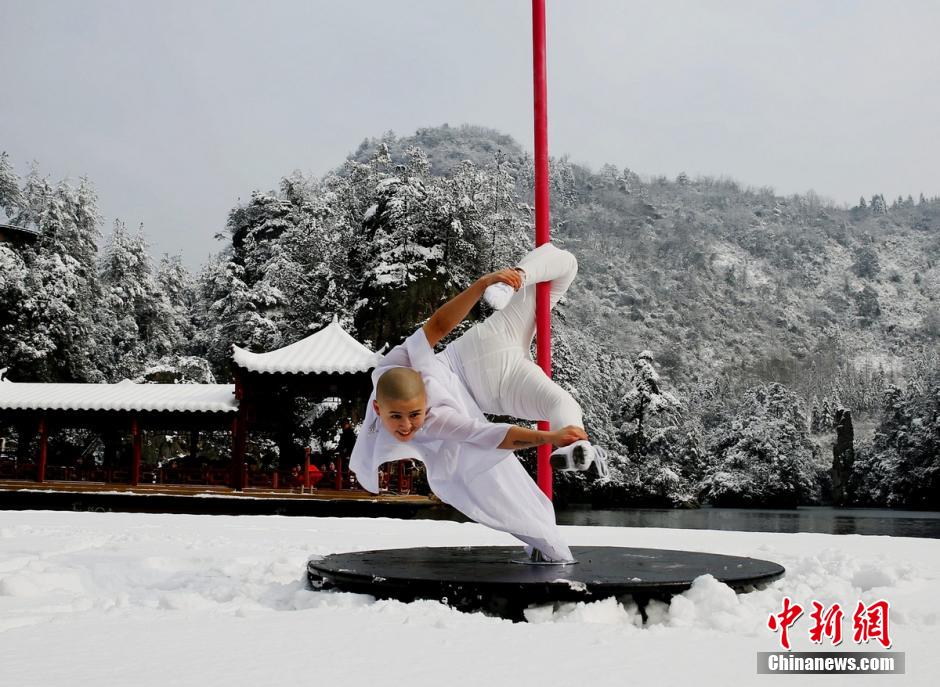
493,358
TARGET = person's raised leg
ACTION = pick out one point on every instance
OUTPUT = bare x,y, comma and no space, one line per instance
493,348
528,393
516,322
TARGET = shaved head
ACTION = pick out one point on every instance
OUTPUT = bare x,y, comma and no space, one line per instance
400,402
399,384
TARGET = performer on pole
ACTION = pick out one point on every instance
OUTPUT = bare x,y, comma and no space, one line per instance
431,407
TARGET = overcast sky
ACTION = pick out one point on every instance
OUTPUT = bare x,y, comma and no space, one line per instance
176,110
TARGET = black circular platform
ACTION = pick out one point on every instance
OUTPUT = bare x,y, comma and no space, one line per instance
490,578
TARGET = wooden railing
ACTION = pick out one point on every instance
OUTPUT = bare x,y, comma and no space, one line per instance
397,480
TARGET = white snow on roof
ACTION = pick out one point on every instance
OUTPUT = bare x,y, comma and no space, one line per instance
121,396
331,349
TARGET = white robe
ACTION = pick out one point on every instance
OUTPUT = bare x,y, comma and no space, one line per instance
459,448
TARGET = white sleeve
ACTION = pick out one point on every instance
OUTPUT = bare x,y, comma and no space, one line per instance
419,350
447,424
414,352
397,357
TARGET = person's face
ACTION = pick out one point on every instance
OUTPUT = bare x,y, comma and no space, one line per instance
402,418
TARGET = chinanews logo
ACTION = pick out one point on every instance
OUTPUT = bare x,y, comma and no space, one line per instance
870,625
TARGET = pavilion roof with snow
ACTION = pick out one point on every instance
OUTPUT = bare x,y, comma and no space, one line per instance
123,396
329,351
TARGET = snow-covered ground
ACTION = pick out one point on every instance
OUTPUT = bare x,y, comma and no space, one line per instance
139,599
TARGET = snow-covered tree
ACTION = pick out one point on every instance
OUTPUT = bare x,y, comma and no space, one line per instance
866,264
139,324
869,309
900,464
179,288
660,445
644,401
62,292
11,197
762,455
14,337
224,303
426,237
241,288
177,369
815,414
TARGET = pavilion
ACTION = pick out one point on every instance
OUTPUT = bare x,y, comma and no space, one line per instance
328,363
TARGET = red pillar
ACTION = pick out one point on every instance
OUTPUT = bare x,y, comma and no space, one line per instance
542,228
239,438
404,477
138,445
307,468
233,482
239,478
43,450
339,472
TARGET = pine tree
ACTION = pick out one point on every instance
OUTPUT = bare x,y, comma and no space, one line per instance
899,466
869,308
15,341
11,197
140,325
866,263
816,418
252,303
178,286
62,289
657,441
826,414
223,305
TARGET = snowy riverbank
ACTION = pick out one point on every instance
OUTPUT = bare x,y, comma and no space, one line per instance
140,599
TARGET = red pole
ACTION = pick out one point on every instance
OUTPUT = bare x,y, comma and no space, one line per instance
339,472
543,321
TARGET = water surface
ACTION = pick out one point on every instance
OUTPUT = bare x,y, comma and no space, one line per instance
823,519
